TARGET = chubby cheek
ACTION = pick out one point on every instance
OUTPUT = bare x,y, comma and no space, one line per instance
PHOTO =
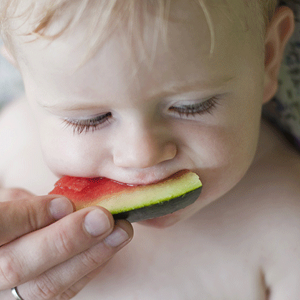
65,153
221,156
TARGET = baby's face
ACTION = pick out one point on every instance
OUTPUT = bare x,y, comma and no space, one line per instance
189,110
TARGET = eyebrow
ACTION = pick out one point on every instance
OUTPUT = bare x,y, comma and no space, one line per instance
198,84
167,91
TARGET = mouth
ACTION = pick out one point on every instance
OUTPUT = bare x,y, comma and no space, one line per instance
145,178
132,202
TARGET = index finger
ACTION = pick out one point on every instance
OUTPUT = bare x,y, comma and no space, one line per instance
20,217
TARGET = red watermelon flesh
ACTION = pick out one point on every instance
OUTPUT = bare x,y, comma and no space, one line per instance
80,189
118,197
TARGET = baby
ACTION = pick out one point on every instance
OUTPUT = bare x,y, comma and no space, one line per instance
136,91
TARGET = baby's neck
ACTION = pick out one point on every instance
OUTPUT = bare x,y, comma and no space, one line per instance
270,139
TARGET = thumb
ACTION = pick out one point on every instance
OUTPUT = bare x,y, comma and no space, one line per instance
19,217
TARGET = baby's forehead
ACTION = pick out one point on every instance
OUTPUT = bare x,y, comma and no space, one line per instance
43,13
51,19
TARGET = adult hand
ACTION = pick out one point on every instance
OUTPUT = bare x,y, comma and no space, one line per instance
50,252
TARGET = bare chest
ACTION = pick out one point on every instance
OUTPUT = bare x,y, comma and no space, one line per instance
179,265
233,249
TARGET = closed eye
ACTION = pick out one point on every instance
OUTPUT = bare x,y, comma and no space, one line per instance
86,125
195,109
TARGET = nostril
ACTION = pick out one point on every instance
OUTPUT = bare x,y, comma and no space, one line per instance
170,151
144,156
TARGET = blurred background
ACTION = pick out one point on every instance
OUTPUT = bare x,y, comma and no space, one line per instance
10,81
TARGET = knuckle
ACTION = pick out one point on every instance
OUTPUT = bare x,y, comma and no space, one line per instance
89,260
63,244
10,274
32,219
67,295
95,256
42,288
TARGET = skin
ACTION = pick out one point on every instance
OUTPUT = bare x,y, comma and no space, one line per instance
145,140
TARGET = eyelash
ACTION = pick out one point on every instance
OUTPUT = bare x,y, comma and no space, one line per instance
80,126
195,109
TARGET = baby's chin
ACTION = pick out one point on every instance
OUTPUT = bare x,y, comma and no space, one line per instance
179,216
161,222
168,220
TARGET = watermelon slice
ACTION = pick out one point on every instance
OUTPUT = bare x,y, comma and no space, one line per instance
132,202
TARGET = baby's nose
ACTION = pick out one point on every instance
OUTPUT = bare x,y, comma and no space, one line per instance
143,149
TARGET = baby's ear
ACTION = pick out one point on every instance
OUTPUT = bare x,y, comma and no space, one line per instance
7,54
279,31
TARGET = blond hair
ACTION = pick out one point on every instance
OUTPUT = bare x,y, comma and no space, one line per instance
104,16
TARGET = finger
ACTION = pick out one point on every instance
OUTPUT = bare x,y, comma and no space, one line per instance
37,252
20,217
67,279
73,290
67,294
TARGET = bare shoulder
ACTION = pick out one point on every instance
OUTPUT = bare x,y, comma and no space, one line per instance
274,185
261,216
21,162
277,172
